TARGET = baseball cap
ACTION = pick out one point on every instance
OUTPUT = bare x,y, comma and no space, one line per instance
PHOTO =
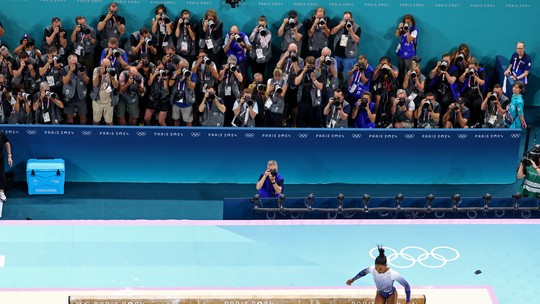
401,91
460,100
293,14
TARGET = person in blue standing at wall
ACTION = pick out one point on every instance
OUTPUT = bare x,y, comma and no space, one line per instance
520,65
5,143
406,49
515,108
270,183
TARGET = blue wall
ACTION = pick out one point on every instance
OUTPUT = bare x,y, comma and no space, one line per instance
489,27
305,156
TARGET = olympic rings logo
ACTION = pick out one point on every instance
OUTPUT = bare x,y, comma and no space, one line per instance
436,258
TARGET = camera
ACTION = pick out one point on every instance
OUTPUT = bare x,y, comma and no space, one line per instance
2,86
278,89
261,87
179,96
472,71
111,71
337,101
322,22
361,67
26,96
147,40
348,24
406,27
309,71
116,53
80,67
413,75
249,102
212,24
238,38
456,107
363,103
207,60
163,73
186,22
293,56
233,67
327,60
186,72
211,96
136,79
50,94
273,172
531,156
493,97
460,58
443,66
292,23
164,18
401,102
84,29
263,31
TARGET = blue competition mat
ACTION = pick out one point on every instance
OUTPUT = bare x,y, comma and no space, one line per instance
251,254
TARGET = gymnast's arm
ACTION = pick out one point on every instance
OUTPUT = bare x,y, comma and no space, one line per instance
359,275
405,285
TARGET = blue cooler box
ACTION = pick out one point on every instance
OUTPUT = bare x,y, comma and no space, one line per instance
45,176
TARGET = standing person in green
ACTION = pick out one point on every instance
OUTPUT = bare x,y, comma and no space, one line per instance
516,107
5,142
530,171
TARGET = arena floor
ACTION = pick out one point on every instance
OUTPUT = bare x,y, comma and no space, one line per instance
450,261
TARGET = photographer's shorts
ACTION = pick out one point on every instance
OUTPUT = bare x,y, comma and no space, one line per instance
187,113
102,110
69,108
132,108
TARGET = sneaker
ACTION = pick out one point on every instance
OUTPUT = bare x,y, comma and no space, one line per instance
3,197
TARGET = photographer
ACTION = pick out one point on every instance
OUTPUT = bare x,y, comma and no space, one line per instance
140,42
428,113
309,95
406,49
337,111
359,77
472,84
291,31
111,25
211,36
25,72
207,76
346,42
182,89
529,171
318,27
51,70
457,115
261,40
327,66
186,36
229,86
75,90
212,108
270,183
28,44
413,83
493,107
162,29
7,100
104,93
116,55
55,36
159,95
131,88
444,83
84,41
385,87
237,44
291,64
402,111
461,57
276,88
258,94
363,112
22,108
6,63
245,110
46,106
